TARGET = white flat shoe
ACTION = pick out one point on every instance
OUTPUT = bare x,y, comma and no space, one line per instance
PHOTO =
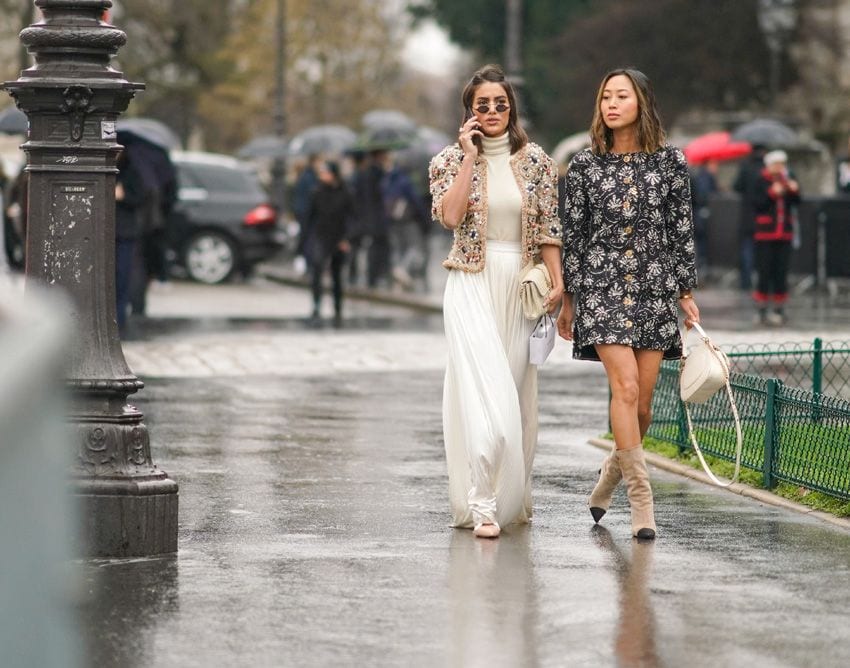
487,530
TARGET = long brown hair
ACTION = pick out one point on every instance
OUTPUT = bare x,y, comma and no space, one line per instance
495,74
650,132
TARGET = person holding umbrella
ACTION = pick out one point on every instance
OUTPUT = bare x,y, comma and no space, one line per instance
629,268
498,193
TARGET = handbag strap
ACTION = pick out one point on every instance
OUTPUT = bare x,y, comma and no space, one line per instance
739,439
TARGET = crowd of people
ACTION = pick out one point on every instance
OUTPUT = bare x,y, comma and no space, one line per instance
374,221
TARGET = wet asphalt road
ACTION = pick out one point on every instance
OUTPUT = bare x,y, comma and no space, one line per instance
313,525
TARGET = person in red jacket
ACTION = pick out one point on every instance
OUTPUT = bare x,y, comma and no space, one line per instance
777,196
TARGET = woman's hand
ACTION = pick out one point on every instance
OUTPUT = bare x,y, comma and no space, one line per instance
565,318
467,131
550,303
689,308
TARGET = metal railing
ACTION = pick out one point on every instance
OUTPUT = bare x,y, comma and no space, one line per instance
799,434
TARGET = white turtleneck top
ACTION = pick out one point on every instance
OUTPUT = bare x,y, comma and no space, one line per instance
504,201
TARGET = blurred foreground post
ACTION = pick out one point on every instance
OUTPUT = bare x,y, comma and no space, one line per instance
72,98
37,516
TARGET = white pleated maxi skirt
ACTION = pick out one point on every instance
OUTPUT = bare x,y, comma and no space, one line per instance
490,393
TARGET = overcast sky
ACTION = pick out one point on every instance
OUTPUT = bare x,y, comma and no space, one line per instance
428,48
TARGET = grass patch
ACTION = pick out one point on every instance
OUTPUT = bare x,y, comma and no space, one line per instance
723,468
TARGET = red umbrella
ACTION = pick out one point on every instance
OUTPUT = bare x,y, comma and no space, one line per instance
716,146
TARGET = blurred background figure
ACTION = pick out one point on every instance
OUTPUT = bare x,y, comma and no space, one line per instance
327,221
129,203
358,241
777,195
306,183
746,184
703,185
375,221
157,179
409,224
15,232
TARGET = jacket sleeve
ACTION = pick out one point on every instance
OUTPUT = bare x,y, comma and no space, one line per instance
679,221
576,213
442,172
550,225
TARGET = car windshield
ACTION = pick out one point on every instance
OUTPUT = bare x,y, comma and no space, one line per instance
217,178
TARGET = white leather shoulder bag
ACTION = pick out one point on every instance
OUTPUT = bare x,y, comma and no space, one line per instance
704,371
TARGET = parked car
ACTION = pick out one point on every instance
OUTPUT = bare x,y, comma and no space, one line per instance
223,221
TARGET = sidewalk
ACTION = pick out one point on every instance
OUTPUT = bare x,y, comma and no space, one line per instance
313,529
727,313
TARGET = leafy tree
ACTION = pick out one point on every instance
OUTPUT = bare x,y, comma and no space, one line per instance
339,65
700,53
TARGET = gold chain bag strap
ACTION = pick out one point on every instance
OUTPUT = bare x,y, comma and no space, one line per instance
704,371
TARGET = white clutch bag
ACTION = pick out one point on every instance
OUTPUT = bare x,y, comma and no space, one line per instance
542,340
534,285
705,370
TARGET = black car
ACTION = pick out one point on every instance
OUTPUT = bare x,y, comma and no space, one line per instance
222,222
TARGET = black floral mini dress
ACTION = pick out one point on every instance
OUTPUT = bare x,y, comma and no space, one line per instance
628,249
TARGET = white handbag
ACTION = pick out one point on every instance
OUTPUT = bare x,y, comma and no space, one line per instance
534,286
542,340
704,371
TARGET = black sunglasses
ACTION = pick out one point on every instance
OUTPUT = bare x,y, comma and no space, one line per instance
483,108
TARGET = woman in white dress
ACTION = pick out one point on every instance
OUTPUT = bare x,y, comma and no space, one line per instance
498,193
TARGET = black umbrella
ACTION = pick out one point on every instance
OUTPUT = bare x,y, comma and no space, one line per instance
426,143
264,146
327,139
392,119
13,121
767,132
383,139
151,130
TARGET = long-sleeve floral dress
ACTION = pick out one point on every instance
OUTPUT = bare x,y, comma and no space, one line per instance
628,249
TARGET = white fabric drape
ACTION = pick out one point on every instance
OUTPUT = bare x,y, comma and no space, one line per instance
490,393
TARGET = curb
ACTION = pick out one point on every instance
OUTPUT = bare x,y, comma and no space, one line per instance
423,303
760,495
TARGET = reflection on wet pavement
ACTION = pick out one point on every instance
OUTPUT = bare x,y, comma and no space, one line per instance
314,532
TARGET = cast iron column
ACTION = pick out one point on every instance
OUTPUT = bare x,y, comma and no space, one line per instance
72,98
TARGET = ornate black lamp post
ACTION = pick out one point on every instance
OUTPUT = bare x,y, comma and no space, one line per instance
72,98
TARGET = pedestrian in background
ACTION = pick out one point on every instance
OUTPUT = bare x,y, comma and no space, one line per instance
629,265
158,179
302,195
377,221
777,196
328,219
746,185
703,186
129,200
409,221
498,193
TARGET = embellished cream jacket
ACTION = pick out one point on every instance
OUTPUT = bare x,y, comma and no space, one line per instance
537,178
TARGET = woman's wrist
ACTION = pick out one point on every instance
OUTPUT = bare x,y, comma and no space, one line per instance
686,294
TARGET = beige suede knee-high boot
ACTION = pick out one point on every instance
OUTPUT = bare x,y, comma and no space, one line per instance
609,477
633,465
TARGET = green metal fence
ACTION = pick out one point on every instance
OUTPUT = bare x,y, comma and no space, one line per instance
791,434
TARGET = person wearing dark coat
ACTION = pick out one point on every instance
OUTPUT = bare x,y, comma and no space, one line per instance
129,200
746,183
328,219
777,195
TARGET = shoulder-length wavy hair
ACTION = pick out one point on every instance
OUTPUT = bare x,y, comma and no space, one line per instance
650,132
495,74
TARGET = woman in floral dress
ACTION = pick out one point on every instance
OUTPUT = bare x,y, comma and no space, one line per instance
629,267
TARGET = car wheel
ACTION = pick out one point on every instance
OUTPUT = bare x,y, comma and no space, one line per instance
210,257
